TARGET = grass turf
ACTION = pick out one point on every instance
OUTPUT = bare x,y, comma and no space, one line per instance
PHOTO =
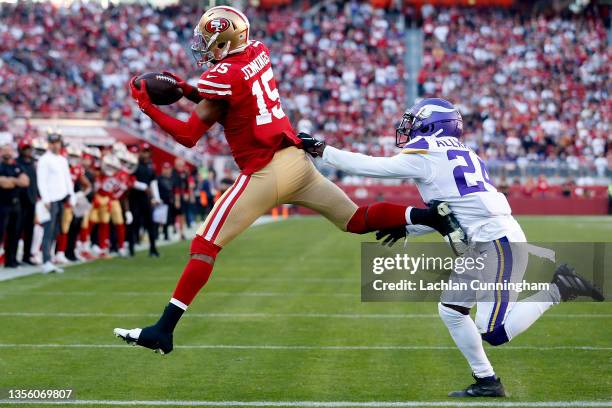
294,283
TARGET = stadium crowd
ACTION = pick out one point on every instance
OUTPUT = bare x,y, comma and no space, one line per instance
531,89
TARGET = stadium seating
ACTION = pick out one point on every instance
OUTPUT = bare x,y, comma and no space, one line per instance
533,90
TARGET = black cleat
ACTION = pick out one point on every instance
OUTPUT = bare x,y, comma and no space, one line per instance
449,227
483,387
571,285
149,337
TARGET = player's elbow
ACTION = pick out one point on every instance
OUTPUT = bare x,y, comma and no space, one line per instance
189,144
187,140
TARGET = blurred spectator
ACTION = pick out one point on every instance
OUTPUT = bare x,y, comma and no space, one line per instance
542,185
27,198
55,188
528,189
12,180
165,183
184,196
207,190
142,198
503,186
567,188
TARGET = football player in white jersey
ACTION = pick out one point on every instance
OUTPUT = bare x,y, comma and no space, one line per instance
445,170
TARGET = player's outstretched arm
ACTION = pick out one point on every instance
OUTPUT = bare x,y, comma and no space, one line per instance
399,166
187,133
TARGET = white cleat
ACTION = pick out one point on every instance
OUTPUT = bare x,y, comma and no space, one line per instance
61,259
123,253
130,336
48,267
149,337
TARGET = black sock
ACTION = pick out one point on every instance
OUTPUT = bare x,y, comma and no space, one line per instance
423,216
169,318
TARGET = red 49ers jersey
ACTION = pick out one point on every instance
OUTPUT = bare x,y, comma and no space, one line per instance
115,186
76,171
255,125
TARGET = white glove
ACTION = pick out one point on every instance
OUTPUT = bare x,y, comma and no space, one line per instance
129,218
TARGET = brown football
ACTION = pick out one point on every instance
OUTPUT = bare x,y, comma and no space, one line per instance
162,89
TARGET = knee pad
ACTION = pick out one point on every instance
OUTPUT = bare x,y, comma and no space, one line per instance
497,336
200,246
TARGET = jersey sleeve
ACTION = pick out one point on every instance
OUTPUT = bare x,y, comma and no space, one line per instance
404,166
219,82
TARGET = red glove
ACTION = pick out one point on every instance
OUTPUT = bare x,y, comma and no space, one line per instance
140,95
190,92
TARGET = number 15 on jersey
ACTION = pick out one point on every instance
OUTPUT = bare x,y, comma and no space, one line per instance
272,95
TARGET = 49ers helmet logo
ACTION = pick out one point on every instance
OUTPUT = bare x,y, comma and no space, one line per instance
218,25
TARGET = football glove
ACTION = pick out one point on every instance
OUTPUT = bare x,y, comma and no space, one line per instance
312,146
140,95
389,237
190,92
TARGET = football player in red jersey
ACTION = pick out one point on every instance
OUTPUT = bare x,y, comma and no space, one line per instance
239,91
82,187
111,186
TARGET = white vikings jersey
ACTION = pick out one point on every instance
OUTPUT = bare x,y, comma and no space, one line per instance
443,169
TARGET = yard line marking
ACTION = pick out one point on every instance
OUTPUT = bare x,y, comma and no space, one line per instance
277,315
301,347
356,295
323,404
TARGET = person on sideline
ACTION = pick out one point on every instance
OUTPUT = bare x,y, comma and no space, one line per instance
55,187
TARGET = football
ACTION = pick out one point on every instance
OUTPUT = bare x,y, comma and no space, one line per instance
162,89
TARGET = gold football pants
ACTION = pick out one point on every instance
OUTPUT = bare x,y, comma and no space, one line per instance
290,178
106,210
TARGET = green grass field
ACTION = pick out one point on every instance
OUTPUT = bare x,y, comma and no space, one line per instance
281,320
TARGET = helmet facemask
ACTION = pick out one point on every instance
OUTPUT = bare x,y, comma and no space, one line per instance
206,52
404,129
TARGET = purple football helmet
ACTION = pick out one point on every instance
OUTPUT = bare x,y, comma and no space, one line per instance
429,117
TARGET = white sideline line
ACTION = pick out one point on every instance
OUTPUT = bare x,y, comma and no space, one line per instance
325,404
280,315
299,347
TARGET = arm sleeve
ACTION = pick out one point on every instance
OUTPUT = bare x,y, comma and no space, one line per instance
186,133
412,166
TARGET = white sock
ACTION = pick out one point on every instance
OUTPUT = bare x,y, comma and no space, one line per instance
467,338
527,311
408,210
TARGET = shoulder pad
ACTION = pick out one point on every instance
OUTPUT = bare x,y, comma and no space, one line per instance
416,146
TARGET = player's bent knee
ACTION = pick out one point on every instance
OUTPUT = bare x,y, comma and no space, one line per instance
358,222
450,316
203,249
497,336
